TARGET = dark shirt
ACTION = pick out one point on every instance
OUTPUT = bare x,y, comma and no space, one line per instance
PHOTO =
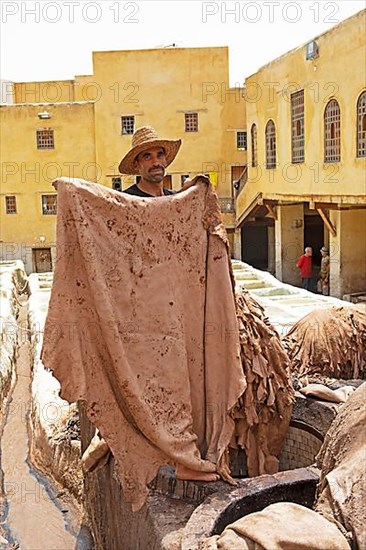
134,190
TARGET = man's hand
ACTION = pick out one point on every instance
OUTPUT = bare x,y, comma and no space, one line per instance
189,183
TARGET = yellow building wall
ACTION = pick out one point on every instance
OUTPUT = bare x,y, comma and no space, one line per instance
157,87
27,172
233,121
338,72
86,89
82,88
348,252
50,91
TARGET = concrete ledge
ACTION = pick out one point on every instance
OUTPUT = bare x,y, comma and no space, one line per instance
178,514
251,495
317,414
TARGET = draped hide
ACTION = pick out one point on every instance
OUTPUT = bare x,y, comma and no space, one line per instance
142,327
280,526
329,342
263,413
341,493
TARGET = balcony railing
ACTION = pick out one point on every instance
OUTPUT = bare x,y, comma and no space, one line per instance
227,205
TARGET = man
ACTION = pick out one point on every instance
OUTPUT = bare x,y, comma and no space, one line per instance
324,271
148,158
164,381
305,266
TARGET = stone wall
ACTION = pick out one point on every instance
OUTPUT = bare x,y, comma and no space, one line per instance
13,280
55,438
178,514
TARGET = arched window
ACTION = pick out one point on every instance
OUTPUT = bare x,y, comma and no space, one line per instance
270,145
332,132
361,125
297,127
253,135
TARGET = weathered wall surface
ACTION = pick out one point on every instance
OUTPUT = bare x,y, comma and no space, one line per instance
27,172
13,279
333,74
348,260
85,116
289,242
314,181
178,514
55,441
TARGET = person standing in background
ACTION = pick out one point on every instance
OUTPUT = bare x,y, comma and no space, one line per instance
324,272
306,268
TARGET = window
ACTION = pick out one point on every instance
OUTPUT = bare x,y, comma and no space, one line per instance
241,141
361,125
49,204
11,204
191,122
332,132
297,127
128,125
45,139
253,136
117,184
270,145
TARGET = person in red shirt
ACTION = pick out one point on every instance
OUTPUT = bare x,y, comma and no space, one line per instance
306,268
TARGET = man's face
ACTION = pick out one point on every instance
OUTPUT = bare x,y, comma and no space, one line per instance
308,252
151,164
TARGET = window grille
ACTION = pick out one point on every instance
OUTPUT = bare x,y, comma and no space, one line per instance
11,204
297,127
270,145
227,205
128,125
361,125
49,205
241,141
253,134
191,122
332,132
45,139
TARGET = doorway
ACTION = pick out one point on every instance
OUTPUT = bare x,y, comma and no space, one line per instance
167,181
254,245
314,236
42,260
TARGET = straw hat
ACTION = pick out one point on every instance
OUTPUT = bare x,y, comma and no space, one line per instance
144,138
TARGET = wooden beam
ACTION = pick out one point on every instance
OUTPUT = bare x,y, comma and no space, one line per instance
327,205
256,202
272,212
327,221
333,206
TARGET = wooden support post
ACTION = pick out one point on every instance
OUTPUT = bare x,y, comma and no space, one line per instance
271,210
327,221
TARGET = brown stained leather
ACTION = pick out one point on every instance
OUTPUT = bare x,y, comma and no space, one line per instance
142,326
280,526
329,342
263,413
341,495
